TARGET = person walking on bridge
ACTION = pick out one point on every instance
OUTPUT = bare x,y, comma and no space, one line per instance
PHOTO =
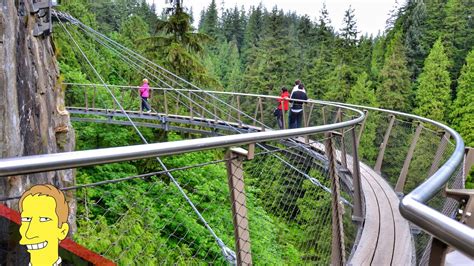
296,111
145,94
282,106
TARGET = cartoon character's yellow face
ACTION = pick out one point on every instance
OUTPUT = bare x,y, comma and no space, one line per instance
39,228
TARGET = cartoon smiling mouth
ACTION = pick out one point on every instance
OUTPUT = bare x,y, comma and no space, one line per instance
37,246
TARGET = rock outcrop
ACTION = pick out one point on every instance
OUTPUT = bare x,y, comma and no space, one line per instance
32,116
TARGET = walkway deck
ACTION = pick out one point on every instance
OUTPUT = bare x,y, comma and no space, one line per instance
385,237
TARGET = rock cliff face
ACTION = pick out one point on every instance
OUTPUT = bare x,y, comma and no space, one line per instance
32,116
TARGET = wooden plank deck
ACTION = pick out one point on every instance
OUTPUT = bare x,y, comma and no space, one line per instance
385,238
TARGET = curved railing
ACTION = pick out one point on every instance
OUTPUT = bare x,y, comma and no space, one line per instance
49,162
413,206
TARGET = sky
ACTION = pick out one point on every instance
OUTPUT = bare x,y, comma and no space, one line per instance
371,15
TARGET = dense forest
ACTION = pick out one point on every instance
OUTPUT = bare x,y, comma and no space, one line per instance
423,63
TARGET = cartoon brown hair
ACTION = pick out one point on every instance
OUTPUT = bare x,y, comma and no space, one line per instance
62,209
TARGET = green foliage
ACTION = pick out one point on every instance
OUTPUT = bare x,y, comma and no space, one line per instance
340,83
256,52
394,91
363,94
209,21
457,33
462,113
433,94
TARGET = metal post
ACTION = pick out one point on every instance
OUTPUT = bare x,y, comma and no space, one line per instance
383,145
256,113
85,99
177,105
235,174
468,161
93,97
311,107
323,110
337,251
439,153
357,214
403,174
229,115
165,102
215,110
121,96
203,108
343,145
362,127
190,106
238,111
438,252
306,137
338,115
260,105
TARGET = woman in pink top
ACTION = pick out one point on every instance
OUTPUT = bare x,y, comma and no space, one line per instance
145,93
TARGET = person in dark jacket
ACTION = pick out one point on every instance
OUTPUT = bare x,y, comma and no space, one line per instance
296,111
282,105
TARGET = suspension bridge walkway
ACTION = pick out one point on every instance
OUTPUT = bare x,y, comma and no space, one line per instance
357,185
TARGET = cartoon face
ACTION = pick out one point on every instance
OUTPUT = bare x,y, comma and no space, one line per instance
39,229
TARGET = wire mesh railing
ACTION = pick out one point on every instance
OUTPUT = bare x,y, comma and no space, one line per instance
414,151
290,197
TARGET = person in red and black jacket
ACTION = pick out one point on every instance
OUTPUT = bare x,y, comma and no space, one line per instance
296,111
282,105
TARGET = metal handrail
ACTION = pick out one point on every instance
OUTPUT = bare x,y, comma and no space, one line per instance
58,161
413,205
209,92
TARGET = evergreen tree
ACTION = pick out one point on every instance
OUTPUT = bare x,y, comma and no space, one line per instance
316,77
233,25
275,58
394,91
462,114
252,34
433,94
363,54
377,58
363,94
416,15
324,37
458,33
209,21
434,21
349,29
178,46
339,83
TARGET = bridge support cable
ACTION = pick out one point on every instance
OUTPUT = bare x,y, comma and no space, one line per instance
141,58
228,253
303,146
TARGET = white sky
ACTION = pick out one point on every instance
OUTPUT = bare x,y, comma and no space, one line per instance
371,15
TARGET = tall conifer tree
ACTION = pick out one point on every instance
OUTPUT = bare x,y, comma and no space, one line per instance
363,94
395,91
433,93
462,114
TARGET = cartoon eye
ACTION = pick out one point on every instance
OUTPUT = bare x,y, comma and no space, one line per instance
44,219
26,219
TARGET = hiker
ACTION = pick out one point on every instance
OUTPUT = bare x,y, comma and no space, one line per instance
297,83
282,106
296,112
145,93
